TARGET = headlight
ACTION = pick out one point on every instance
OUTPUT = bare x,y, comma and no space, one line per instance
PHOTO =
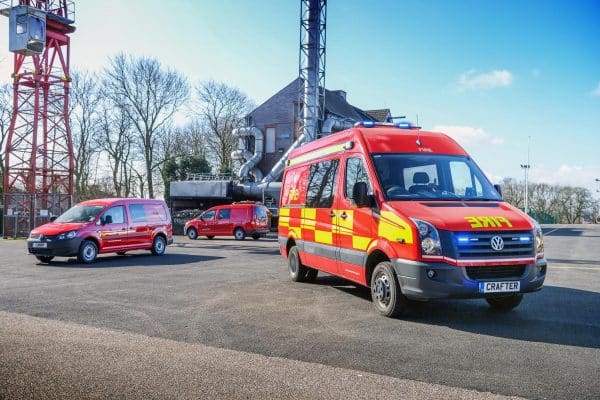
68,235
539,239
430,238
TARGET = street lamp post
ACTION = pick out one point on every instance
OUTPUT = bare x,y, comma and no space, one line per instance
526,167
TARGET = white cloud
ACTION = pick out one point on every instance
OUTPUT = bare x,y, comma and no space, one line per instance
467,136
596,92
486,80
565,174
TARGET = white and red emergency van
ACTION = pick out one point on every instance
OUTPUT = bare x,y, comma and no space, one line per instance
408,213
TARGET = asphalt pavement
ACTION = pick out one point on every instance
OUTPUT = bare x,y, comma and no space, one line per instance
208,303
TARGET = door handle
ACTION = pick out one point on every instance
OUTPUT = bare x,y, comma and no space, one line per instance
331,214
344,215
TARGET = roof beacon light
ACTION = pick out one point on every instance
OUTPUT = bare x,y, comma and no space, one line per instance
365,124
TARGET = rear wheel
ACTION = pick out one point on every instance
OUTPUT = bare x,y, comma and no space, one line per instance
505,303
192,233
298,271
87,252
45,259
256,236
239,234
159,245
385,291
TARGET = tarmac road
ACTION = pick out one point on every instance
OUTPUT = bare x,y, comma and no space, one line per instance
228,310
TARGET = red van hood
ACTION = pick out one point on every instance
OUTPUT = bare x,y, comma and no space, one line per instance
464,215
54,228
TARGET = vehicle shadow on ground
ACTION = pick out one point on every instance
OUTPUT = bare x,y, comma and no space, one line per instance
236,246
554,315
132,260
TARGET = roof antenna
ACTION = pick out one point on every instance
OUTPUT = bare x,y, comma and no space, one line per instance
419,143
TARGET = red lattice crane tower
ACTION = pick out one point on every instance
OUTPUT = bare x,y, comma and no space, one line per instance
39,160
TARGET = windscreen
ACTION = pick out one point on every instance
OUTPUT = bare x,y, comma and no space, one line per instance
431,177
80,214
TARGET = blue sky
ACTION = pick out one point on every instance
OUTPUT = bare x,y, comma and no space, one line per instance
488,73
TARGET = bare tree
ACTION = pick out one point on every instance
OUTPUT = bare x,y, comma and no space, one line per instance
85,98
6,107
114,138
221,109
149,95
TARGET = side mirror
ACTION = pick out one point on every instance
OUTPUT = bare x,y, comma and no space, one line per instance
53,218
107,220
360,195
498,189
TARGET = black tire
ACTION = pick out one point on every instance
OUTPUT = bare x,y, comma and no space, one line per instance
192,233
385,291
298,271
505,303
210,237
256,236
239,234
159,245
45,259
121,253
88,250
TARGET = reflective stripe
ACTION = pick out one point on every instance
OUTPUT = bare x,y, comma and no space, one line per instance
394,228
324,152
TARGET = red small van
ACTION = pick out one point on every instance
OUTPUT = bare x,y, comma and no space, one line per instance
104,226
237,219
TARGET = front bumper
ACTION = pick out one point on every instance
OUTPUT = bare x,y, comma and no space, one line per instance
54,247
453,282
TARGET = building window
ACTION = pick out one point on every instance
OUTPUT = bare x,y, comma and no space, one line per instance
270,142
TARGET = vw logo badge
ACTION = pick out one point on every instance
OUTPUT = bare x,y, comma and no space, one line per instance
497,243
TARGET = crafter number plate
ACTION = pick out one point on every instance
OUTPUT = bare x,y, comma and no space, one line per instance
40,245
499,287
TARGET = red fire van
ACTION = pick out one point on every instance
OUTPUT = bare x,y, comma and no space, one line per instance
104,226
409,214
238,219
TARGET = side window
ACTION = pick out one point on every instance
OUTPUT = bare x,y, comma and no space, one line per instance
209,215
117,213
224,213
356,172
154,212
137,212
321,182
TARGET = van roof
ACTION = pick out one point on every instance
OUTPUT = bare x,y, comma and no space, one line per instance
384,140
109,201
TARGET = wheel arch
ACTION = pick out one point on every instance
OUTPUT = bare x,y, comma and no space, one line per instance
375,257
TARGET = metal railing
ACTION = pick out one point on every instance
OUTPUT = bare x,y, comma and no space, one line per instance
210,177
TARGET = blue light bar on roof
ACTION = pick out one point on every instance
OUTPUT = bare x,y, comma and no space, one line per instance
365,124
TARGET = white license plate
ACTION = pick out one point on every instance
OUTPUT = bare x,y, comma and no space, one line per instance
40,245
499,287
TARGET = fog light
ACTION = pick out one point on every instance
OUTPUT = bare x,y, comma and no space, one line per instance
431,273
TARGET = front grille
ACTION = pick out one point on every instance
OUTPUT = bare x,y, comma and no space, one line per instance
478,244
496,272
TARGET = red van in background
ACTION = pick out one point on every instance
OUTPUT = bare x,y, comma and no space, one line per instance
104,226
238,219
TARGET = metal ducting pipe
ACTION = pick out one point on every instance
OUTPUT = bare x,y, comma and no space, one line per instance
252,159
277,169
335,124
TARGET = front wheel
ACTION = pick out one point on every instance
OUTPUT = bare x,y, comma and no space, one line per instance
505,303
45,259
239,234
192,233
159,245
298,271
385,291
87,252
